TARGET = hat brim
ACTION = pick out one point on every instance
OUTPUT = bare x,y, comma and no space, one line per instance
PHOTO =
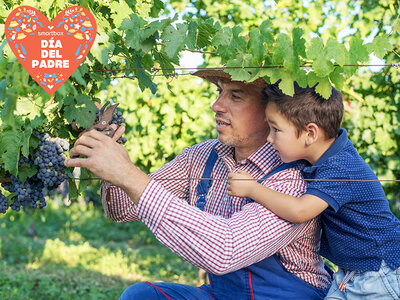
218,75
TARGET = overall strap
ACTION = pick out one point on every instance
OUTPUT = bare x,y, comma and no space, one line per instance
204,185
281,167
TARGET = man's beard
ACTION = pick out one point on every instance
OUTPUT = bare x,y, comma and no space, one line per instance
232,141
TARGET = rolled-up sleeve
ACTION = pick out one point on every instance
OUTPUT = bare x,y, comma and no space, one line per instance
116,203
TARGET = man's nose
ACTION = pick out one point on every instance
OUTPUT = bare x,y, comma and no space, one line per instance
219,105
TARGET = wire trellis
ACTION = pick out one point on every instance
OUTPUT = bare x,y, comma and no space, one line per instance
174,73
267,179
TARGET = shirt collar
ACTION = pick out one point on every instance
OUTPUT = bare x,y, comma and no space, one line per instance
265,157
334,149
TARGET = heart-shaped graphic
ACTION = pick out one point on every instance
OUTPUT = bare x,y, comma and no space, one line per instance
50,52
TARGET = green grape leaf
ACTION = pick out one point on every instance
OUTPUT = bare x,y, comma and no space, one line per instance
101,54
81,110
238,42
73,193
381,46
283,53
286,84
10,144
205,33
25,137
26,172
1,51
132,29
156,8
337,78
335,50
384,140
164,61
322,66
315,49
144,77
283,46
222,38
190,41
120,10
226,53
10,105
301,78
265,29
153,28
84,182
270,75
256,46
3,84
147,61
174,39
323,87
358,51
235,67
38,121
350,60
78,76
299,42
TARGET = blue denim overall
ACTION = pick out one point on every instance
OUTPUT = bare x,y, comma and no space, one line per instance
267,279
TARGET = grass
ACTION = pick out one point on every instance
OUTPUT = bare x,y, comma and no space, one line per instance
75,252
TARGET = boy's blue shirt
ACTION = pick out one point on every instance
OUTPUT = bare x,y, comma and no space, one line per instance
359,230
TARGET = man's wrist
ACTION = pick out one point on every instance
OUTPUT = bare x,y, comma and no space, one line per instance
135,183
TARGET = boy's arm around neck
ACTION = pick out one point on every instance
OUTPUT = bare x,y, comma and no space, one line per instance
292,209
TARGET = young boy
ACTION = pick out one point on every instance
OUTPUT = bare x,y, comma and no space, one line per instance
360,234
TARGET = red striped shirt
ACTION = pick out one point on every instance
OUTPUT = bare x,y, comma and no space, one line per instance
230,233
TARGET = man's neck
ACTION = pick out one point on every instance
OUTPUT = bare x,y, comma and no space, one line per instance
242,154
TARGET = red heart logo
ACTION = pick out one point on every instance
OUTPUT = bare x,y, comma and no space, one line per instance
50,52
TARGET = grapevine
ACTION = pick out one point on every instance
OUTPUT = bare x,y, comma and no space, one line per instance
140,42
30,192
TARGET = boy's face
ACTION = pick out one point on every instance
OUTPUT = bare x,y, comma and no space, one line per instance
283,135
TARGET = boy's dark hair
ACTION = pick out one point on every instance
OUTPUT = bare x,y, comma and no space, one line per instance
307,106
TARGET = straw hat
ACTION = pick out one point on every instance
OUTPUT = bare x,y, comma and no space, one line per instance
219,75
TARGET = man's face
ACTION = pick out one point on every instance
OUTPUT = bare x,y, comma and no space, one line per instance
240,116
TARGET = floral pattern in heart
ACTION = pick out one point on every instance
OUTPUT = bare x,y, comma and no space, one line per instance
50,51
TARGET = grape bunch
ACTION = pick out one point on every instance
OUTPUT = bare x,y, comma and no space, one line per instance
49,157
3,203
30,193
117,119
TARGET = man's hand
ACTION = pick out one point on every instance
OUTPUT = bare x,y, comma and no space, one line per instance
102,155
108,160
240,184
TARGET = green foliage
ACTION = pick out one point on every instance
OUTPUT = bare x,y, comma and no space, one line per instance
140,37
77,253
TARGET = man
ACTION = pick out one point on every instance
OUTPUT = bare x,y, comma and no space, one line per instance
248,251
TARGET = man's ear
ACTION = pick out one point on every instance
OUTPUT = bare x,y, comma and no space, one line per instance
312,133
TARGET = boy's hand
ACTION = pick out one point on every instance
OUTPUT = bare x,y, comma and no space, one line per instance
240,184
